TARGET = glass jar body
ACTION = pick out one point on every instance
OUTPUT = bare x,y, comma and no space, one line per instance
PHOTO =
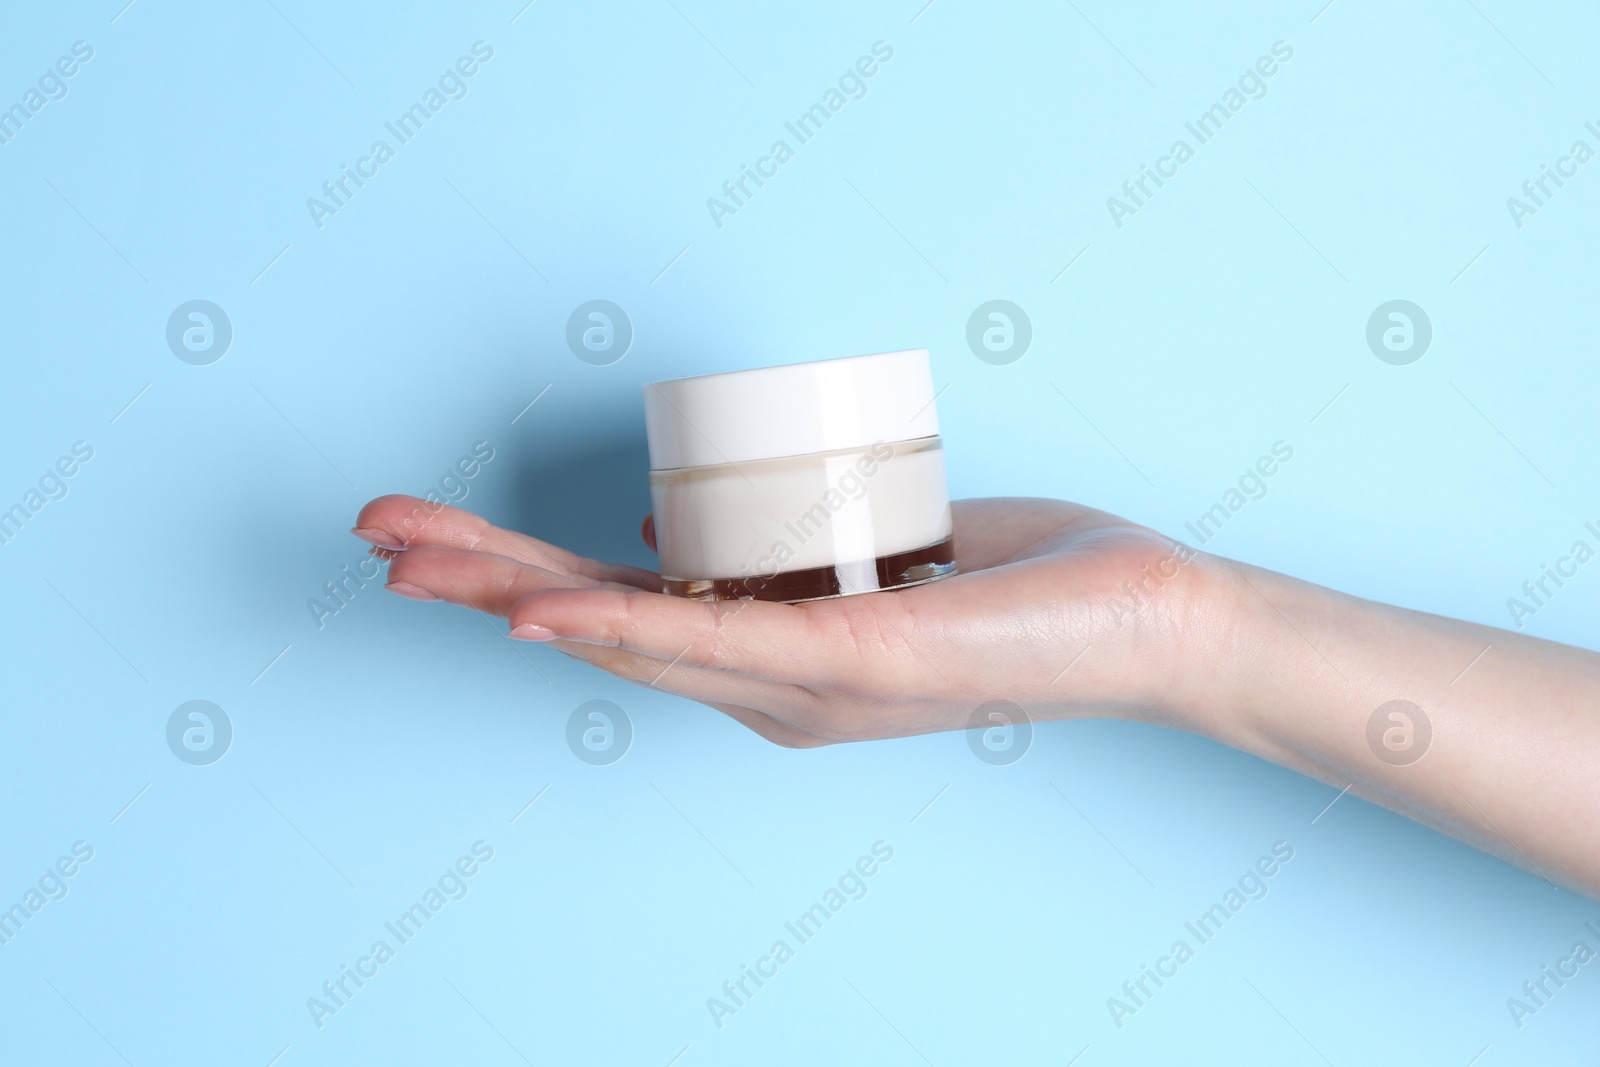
806,527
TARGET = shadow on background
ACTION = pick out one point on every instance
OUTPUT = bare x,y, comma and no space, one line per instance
587,495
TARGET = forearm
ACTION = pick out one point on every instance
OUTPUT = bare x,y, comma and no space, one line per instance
1298,674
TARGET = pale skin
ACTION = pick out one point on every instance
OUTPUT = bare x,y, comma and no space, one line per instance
1039,616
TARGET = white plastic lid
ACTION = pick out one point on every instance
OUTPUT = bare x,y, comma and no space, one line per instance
791,410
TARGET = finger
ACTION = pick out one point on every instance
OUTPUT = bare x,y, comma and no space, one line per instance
478,580
648,531
398,522
754,638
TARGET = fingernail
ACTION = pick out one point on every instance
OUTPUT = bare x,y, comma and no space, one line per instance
530,632
381,538
415,592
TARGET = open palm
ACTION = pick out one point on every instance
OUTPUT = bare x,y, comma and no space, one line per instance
1057,608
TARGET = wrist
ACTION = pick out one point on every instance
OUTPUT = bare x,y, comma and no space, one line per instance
1176,639
1238,658
1289,670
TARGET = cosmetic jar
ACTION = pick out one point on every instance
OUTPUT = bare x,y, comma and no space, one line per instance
799,482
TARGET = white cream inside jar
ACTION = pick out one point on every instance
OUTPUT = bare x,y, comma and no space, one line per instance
799,482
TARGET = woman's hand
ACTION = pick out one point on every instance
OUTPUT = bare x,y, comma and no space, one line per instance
1057,608
1065,611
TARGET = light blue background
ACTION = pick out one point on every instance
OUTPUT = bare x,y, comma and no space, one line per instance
1221,318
